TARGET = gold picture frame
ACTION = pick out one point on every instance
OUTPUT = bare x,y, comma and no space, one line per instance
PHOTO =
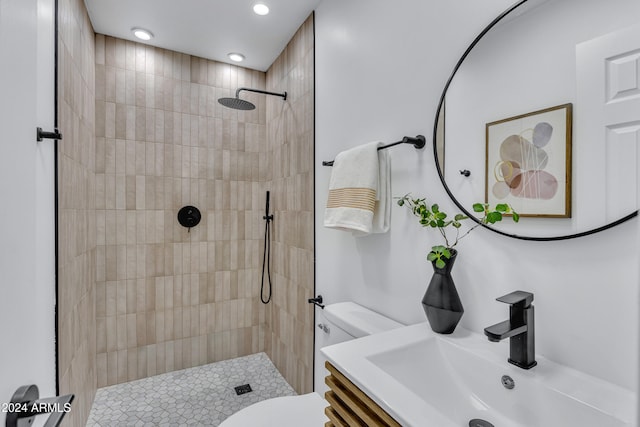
528,162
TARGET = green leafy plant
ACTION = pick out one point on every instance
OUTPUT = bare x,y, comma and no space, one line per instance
430,215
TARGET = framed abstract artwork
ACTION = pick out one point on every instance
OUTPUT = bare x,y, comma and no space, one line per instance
528,162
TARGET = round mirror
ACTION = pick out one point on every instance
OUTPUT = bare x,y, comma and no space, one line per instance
543,112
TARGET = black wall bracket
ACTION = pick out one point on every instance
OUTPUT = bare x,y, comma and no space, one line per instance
40,134
26,404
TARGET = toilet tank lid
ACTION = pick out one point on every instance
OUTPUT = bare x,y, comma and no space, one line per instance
358,321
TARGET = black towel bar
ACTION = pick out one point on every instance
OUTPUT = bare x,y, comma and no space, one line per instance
418,142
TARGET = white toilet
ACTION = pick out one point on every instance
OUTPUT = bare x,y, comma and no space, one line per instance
338,323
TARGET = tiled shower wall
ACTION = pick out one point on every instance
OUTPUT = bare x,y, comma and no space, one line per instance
290,130
167,297
76,209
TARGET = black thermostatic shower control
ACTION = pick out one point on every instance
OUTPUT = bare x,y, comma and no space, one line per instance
189,216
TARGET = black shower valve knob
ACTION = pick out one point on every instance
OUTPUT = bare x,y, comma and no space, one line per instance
189,216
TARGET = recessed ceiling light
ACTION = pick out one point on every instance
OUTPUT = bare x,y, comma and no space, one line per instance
237,57
142,34
261,9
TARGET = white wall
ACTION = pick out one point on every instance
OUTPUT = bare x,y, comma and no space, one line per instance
380,70
26,198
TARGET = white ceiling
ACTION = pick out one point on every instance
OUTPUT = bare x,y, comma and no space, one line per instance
206,28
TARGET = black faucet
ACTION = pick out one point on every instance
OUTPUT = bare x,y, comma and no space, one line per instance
519,329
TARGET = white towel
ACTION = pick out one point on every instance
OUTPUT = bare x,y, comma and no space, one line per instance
360,191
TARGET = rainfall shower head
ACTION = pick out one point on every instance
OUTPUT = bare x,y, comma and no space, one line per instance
237,103
240,104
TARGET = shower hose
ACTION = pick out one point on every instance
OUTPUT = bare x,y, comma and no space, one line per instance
266,256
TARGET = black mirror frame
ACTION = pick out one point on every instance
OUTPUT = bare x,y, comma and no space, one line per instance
440,172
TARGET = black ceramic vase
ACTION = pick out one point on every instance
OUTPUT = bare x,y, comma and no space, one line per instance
441,302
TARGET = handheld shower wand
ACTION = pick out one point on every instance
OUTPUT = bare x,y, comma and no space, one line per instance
266,257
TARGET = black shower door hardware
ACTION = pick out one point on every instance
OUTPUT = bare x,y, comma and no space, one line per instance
418,142
40,134
316,301
26,404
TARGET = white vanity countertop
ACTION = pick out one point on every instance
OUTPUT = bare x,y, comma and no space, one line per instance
355,359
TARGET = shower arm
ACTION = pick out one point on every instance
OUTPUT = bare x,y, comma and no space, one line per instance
264,92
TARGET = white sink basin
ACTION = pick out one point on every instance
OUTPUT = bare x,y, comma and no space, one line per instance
425,379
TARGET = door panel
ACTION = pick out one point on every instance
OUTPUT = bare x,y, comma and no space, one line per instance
26,198
608,124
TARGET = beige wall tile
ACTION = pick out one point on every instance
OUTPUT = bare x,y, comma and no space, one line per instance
289,168
142,362
132,365
101,370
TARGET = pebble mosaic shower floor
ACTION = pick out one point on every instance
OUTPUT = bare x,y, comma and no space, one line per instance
203,395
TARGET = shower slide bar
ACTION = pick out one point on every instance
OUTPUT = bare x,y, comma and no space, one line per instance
418,142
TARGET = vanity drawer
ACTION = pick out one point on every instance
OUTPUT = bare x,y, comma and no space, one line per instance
350,406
